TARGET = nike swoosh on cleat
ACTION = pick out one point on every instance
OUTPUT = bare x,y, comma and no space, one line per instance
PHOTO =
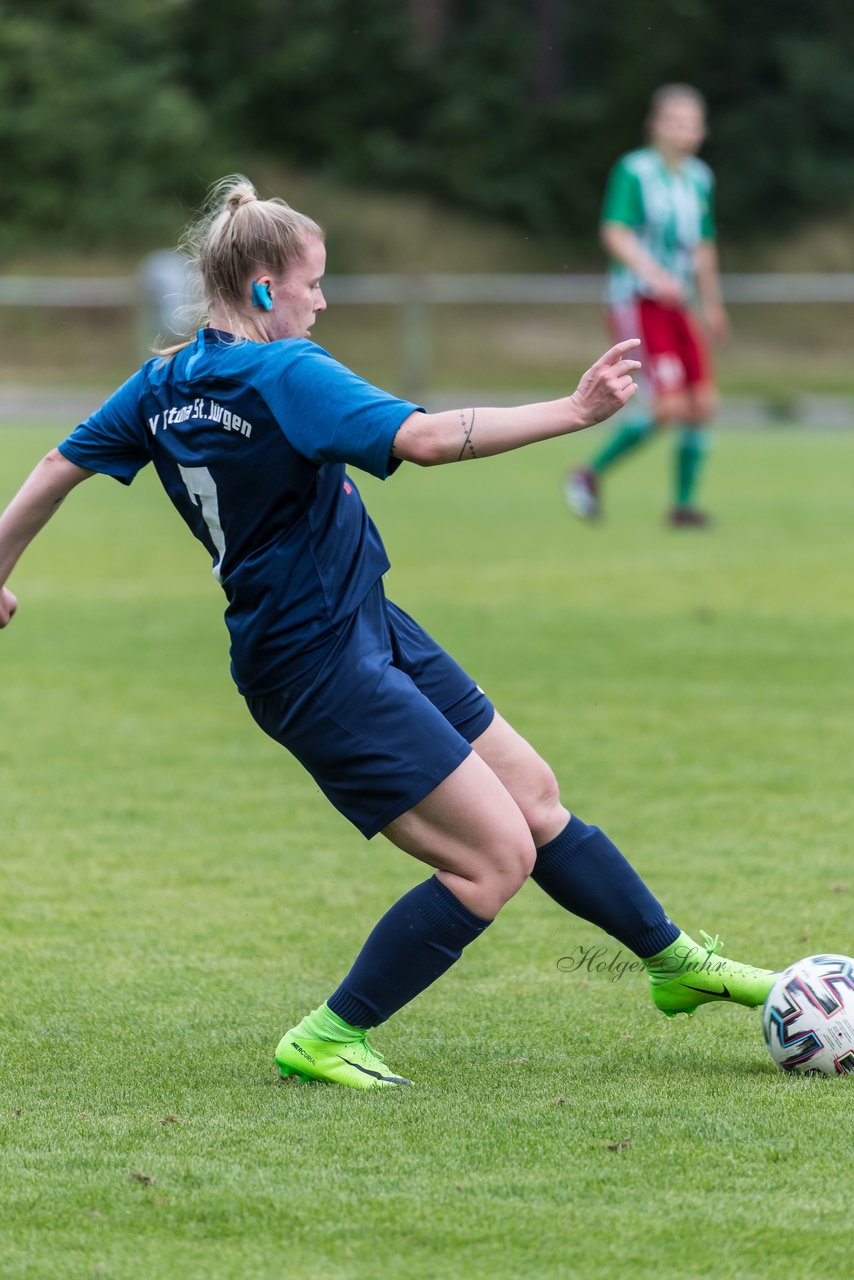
722,995
376,1074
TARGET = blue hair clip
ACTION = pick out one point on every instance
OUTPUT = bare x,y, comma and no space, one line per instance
261,296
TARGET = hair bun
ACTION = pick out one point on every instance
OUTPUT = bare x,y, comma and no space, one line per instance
240,196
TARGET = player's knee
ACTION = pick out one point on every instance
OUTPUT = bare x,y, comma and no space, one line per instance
514,866
526,858
671,408
506,868
704,405
542,807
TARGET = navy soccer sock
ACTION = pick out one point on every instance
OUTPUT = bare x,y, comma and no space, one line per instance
414,943
586,874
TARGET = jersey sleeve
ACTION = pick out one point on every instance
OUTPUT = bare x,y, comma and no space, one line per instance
112,439
330,414
623,199
708,224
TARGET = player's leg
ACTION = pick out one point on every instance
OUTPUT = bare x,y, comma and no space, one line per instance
390,760
471,831
690,453
585,873
692,437
576,864
634,428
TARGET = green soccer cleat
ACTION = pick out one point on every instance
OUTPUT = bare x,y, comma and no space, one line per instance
352,1062
686,975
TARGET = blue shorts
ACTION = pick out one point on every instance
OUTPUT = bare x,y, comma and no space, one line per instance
385,717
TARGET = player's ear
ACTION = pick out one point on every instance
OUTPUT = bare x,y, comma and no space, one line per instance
261,294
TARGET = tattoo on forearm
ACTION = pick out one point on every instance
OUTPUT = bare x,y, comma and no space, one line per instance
468,428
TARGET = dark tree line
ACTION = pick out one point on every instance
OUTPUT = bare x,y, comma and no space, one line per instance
114,115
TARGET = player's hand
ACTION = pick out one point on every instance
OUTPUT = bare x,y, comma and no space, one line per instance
667,290
717,321
8,605
607,385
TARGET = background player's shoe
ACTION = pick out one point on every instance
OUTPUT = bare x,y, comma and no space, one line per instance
353,1062
582,494
687,975
688,518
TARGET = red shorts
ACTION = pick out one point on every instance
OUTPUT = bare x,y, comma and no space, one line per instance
673,350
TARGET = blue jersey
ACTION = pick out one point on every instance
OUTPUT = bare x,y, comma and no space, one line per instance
250,441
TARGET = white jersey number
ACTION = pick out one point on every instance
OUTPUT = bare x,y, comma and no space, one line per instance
202,489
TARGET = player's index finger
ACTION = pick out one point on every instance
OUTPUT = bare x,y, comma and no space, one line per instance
620,349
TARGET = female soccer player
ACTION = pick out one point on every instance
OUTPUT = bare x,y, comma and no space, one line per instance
250,426
658,229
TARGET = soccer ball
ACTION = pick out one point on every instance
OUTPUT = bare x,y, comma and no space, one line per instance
808,1016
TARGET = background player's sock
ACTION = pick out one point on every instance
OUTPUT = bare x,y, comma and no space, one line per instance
586,874
692,446
413,944
623,441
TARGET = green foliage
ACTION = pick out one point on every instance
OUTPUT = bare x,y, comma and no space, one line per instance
519,111
101,137
113,116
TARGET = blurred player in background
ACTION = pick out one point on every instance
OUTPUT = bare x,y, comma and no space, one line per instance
249,426
658,228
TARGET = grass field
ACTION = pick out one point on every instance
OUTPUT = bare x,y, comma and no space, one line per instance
174,894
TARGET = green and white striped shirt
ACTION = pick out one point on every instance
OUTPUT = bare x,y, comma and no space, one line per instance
670,211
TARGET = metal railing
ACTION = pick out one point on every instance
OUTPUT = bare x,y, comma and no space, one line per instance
163,287
403,290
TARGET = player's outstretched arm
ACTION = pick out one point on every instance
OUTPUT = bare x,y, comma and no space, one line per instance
433,438
28,512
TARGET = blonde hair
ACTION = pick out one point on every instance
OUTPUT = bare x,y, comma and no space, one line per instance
237,238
